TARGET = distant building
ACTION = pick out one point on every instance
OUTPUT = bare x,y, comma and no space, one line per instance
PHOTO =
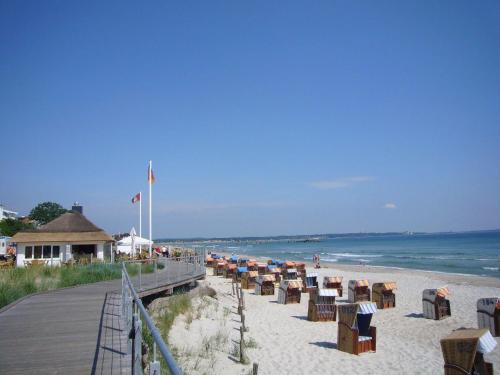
69,236
7,214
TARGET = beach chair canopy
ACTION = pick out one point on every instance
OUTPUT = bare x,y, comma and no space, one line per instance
291,270
312,274
261,265
251,263
279,262
210,259
215,256
295,284
263,278
431,294
488,305
328,293
300,265
242,269
332,279
358,283
221,264
271,266
388,285
367,308
289,264
234,258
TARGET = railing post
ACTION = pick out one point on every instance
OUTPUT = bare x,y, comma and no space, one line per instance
140,275
156,271
137,360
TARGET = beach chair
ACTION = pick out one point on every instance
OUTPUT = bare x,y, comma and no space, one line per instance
290,291
289,274
233,259
264,285
463,352
322,306
383,294
310,282
209,262
242,262
252,265
239,272
262,268
435,304
219,270
301,268
229,270
333,282
354,334
358,291
248,279
488,315
273,270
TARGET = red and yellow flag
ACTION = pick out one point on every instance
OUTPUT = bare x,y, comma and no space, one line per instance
151,176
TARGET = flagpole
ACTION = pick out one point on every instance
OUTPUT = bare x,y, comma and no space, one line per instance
140,214
150,207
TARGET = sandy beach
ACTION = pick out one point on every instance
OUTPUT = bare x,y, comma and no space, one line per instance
285,341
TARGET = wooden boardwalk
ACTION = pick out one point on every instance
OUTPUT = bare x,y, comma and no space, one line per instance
76,330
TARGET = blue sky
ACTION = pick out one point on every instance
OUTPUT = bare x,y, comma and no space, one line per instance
261,118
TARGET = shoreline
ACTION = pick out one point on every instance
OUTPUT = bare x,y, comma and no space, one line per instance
457,278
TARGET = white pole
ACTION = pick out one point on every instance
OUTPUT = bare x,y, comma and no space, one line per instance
140,214
150,207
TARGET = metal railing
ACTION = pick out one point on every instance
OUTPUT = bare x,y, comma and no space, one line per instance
134,313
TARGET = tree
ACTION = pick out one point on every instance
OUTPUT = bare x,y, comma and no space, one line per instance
9,227
46,211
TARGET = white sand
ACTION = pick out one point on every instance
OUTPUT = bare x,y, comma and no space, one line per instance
289,343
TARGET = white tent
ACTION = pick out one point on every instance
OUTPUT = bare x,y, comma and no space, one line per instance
125,244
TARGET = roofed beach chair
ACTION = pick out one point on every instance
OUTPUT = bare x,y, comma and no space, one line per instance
355,334
229,270
264,285
219,270
248,279
488,314
252,265
322,306
310,282
333,282
290,291
233,259
464,349
435,304
301,268
262,268
359,291
289,274
273,270
209,262
239,272
383,294
242,262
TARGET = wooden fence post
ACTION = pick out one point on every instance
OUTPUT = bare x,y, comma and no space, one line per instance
255,369
243,322
242,346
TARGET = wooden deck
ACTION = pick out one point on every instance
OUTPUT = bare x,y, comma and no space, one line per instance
76,330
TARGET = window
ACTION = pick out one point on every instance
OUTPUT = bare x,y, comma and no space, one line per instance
28,252
55,251
46,251
38,252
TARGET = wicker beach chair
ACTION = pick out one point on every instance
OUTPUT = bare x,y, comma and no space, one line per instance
264,285
488,314
219,270
463,352
333,282
262,268
310,282
355,335
248,279
434,303
359,291
242,262
383,294
229,270
273,270
239,272
290,291
289,274
322,306
252,265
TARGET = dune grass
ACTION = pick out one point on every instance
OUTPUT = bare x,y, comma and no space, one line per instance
18,282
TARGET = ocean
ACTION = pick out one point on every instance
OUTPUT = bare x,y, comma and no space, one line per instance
475,253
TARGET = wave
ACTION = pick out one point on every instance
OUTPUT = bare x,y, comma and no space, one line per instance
352,255
491,268
330,260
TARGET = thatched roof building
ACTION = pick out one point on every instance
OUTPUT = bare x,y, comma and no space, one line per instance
72,230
